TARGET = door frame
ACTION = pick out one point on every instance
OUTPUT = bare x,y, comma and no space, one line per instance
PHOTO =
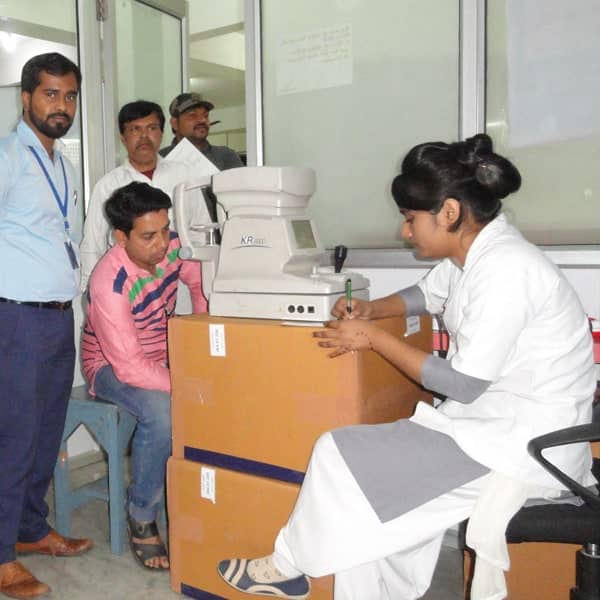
104,76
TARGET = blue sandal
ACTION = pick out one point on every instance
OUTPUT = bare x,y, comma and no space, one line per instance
235,573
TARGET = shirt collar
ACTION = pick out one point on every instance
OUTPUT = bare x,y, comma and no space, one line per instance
489,232
135,270
128,164
28,137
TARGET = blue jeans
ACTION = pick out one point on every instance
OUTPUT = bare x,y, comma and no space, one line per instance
151,445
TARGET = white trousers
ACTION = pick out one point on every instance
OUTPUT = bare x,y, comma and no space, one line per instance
333,529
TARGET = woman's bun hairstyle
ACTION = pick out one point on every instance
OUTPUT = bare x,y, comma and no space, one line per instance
469,171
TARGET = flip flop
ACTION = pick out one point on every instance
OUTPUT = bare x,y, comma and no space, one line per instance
143,552
235,573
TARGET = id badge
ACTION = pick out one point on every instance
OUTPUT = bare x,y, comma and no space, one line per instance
71,254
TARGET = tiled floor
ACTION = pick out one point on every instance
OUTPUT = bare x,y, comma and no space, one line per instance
100,575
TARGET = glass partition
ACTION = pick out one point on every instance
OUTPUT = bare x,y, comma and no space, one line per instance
543,81
348,88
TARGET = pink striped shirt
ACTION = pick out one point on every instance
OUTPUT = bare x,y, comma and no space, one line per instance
126,324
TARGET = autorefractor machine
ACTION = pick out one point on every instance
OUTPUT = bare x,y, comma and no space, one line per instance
268,264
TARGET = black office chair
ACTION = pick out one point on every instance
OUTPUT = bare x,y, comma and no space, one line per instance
562,523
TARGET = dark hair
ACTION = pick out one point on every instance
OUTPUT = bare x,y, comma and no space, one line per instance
468,171
54,63
138,110
132,201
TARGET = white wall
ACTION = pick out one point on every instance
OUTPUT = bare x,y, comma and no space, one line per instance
10,108
58,14
231,131
231,117
228,50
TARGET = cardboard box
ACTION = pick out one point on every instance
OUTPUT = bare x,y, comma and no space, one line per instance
264,391
242,522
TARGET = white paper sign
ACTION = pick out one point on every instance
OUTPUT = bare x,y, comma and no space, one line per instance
208,488
413,325
216,333
315,60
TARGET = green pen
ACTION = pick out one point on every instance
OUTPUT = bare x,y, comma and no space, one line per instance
348,295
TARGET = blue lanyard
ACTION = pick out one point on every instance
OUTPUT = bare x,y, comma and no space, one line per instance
62,205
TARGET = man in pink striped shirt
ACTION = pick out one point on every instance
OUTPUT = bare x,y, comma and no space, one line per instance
132,292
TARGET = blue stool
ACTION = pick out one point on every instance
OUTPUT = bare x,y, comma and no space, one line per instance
112,428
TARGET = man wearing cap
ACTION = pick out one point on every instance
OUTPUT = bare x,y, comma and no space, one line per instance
190,118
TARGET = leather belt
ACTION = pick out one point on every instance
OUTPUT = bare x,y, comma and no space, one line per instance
53,304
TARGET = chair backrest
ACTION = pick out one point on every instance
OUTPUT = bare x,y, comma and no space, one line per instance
562,437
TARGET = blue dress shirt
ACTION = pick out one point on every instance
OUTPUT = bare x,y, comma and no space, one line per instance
35,262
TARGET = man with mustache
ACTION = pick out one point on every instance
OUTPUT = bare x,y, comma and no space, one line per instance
40,227
141,125
190,118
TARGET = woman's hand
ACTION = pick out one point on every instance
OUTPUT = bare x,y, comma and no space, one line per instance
361,309
347,335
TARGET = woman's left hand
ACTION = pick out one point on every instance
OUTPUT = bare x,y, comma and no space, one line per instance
347,336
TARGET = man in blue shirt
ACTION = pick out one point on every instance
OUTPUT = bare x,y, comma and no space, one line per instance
40,228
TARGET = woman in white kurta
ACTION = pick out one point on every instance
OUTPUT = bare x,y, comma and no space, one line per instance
377,499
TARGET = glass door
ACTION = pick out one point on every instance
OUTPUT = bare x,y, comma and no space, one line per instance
145,60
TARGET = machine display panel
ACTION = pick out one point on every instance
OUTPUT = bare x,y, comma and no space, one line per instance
303,232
